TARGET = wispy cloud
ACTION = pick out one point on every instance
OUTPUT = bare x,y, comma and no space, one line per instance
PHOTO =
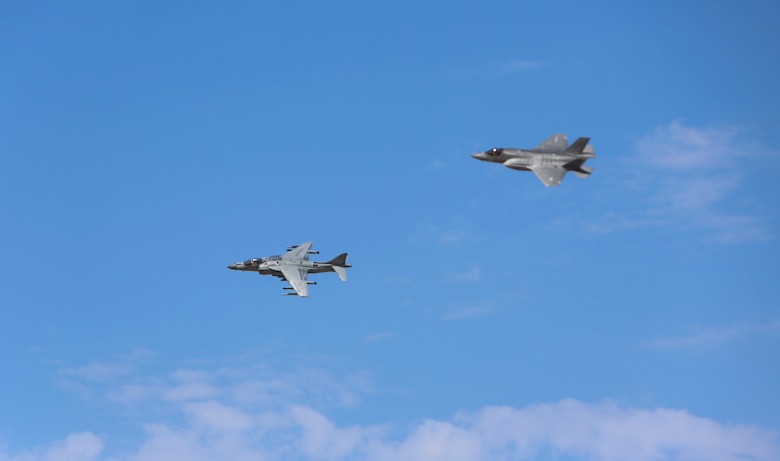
105,371
713,336
679,147
436,165
443,235
460,313
248,380
689,178
520,65
79,446
502,68
377,337
473,275
100,371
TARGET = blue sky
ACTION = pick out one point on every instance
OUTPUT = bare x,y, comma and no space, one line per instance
633,315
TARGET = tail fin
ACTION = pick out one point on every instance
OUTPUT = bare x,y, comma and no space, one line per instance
588,151
577,146
339,266
340,260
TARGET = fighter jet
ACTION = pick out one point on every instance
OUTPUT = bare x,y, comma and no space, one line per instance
294,267
549,160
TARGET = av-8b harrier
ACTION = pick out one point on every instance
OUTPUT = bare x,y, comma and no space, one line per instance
294,267
550,160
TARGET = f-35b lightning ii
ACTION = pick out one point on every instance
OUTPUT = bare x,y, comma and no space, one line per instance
294,267
550,160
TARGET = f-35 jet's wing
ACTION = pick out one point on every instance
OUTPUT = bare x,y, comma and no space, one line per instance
299,252
549,175
555,143
297,278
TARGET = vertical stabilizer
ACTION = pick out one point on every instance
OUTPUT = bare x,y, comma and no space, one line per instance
578,146
339,266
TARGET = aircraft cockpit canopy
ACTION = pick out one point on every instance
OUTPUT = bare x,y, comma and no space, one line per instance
253,261
496,151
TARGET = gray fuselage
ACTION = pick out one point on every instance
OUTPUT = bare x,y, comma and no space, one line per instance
270,265
524,159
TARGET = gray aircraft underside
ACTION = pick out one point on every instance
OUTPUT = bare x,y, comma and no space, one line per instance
550,160
294,267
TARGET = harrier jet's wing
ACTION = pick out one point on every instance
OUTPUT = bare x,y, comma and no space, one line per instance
297,278
550,175
299,252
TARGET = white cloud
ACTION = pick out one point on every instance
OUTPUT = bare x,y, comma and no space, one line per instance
100,371
460,313
436,165
711,336
451,236
166,443
217,417
433,441
321,439
679,147
692,194
607,432
79,446
377,337
443,236
689,178
109,370
473,275
138,355
263,390
569,428
248,409
501,69
248,381
191,391
131,394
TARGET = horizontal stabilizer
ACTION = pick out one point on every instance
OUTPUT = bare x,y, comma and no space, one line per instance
341,271
576,166
583,172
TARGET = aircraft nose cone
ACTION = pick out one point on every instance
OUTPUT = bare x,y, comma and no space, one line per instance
232,266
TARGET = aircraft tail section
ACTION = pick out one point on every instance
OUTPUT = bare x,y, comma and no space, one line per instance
577,167
584,172
339,266
340,260
578,146
341,271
